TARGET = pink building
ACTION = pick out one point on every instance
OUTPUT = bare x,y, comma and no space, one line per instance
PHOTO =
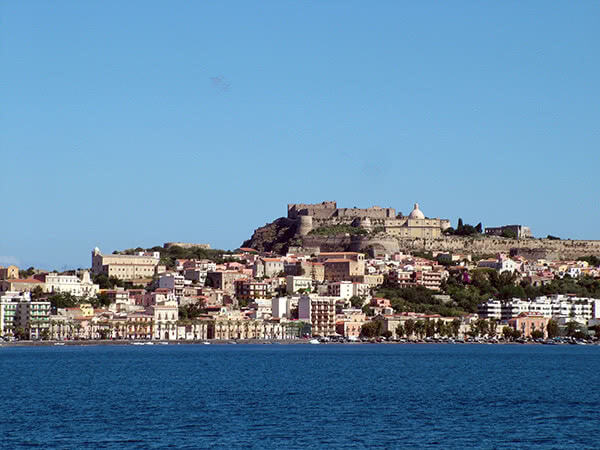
526,323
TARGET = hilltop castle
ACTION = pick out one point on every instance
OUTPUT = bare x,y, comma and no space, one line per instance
312,216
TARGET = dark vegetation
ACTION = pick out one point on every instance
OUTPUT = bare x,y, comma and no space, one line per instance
464,229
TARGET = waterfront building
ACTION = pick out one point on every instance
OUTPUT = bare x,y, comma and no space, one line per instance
165,318
19,314
526,323
557,306
350,324
319,312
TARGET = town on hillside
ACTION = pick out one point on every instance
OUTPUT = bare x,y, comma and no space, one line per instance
191,292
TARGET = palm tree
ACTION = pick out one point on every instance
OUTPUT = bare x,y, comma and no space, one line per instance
400,331
409,326
420,328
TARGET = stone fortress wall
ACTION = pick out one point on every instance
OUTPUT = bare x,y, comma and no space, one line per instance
329,210
532,248
528,248
402,233
312,216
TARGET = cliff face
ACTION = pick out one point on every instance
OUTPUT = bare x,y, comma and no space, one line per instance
275,237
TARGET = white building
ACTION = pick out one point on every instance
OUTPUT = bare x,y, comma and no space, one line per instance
172,281
342,289
557,306
17,311
71,284
492,309
295,283
280,307
501,264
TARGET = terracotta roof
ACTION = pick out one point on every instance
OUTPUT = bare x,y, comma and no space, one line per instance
24,280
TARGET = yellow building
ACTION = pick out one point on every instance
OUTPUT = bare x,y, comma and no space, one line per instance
8,273
125,267
416,225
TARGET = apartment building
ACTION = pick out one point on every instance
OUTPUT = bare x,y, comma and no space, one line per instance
319,312
17,311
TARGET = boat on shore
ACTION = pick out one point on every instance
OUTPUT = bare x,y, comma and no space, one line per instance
314,341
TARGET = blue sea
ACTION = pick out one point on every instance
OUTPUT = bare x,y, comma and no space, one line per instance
300,396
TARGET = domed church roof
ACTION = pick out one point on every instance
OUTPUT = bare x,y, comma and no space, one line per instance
416,213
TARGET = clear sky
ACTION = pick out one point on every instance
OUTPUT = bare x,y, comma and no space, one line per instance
133,123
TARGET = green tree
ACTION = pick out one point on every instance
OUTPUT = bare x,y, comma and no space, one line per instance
409,327
371,329
552,329
37,293
537,334
493,327
572,328
400,331
429,328
455,327
356,301
420,328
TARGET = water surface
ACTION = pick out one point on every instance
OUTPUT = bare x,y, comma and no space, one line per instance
300,396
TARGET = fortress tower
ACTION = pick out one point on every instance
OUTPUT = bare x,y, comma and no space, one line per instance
306,225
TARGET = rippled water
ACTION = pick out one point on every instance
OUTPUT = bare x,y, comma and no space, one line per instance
300,396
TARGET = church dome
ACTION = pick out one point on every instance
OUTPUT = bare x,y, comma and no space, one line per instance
416,213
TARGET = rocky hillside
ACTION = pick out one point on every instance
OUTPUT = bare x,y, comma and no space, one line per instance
275,237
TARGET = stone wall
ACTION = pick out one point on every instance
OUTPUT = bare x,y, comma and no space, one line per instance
530,248
539,248
329,210
308,209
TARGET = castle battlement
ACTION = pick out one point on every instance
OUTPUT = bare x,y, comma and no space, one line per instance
313,216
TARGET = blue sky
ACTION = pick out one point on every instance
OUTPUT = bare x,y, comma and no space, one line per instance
134,123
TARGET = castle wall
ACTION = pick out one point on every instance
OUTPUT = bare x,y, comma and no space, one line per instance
533,248
552,249
308,209
374,212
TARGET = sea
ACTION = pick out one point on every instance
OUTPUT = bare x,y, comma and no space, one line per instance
300,396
